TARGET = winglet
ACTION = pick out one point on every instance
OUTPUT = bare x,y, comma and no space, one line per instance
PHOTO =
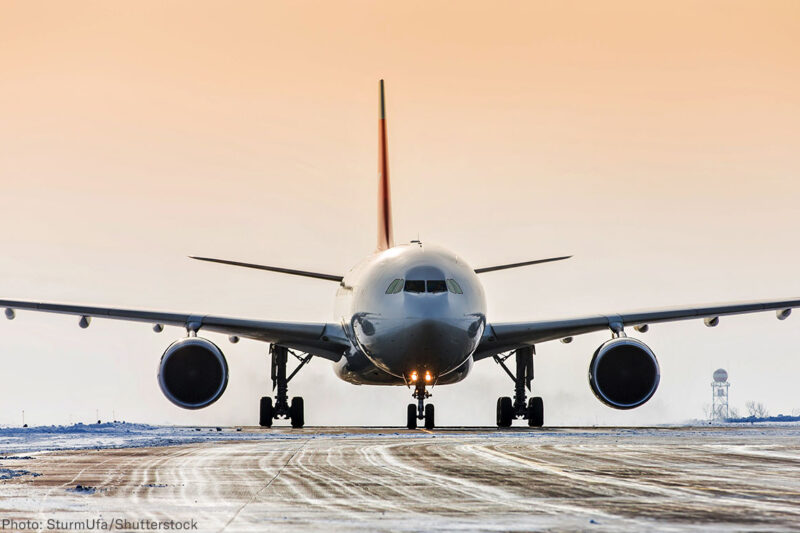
385,236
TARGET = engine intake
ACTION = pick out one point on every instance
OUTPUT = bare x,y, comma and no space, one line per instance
624,373
193,373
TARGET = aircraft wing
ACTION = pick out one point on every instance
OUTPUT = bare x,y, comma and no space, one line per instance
501,337
323,340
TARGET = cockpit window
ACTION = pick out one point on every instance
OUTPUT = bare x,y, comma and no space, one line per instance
395,287
415,285
454,287
419,285
437,285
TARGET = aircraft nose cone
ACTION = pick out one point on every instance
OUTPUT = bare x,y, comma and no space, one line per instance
400,346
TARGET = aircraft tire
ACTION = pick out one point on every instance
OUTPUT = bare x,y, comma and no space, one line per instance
429,420
266,412
536,412
296,412
505,412
411,422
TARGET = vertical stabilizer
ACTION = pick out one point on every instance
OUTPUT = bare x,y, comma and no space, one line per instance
385,237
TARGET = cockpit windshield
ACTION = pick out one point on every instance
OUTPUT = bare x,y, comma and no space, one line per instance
454,287
420,285
436,285
395,287
415,285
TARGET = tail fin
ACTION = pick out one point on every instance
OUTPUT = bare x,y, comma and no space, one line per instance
385,237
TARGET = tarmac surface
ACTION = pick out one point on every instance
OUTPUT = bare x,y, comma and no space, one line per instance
381,479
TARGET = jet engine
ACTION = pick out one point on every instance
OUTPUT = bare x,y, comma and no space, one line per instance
193,373
624,373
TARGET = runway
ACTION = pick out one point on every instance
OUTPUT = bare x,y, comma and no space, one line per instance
611,479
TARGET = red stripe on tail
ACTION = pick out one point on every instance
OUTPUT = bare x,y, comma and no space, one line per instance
385,237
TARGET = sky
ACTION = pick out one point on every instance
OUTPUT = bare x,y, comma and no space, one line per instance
657,142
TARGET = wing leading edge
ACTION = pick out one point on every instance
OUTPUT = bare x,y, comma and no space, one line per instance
502,337
323,340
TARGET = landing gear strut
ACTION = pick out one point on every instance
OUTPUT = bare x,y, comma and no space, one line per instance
508,410
280,383
420,411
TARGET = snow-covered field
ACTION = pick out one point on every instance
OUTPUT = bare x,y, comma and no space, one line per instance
14,440
741,478
113,435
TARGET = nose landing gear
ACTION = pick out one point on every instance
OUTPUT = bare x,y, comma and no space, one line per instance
420,411
294,411
507,410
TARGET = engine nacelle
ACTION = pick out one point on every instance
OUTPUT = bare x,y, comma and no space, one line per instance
193,373
624,373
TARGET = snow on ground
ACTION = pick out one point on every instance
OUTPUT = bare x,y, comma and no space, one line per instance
10,473
16,440
112,435
616,479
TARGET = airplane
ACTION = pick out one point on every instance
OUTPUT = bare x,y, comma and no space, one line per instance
414,315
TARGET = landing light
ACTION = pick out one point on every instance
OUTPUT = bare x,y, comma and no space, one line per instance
414,376
428,377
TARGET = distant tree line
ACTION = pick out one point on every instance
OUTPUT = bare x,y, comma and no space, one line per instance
755,410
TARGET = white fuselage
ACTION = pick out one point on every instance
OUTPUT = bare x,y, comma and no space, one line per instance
411,308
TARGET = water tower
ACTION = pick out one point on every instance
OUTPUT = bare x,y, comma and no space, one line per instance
719,395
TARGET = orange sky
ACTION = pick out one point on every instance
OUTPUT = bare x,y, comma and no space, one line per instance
656,141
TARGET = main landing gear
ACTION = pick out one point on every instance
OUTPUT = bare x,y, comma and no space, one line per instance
507,410
420,411
282,408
